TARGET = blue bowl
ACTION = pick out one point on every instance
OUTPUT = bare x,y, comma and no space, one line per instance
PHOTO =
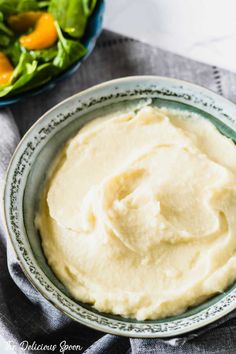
93,31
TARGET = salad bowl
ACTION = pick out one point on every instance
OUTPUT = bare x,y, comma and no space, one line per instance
33,157
88,40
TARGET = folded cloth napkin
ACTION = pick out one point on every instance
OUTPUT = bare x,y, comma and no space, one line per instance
26,318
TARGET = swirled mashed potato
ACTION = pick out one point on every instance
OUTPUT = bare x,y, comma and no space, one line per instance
138,216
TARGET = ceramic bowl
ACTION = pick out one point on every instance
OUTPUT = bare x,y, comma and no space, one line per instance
92,32
28,170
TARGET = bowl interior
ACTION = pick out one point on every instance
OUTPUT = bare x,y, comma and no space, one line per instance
32,161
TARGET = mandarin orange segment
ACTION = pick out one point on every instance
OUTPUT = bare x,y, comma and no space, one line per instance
6,69
43,36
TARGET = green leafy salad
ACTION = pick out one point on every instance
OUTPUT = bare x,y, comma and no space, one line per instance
39,39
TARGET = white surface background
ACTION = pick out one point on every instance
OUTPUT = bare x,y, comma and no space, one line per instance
204,30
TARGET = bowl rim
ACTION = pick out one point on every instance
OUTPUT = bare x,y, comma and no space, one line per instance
101,327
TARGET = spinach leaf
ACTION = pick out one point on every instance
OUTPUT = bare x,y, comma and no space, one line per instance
72,15
43,74
3,28
10,7
23,73
13,52
4,40
43,3
29,75
69,51
89,6
27,5
25,66
44,55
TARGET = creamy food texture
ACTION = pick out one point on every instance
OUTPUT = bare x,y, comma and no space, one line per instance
138,216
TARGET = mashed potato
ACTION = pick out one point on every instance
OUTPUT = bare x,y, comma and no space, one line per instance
138,216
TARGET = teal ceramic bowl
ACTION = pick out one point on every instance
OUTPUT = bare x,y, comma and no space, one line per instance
28,170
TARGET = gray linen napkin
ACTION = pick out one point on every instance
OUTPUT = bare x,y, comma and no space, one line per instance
24,314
